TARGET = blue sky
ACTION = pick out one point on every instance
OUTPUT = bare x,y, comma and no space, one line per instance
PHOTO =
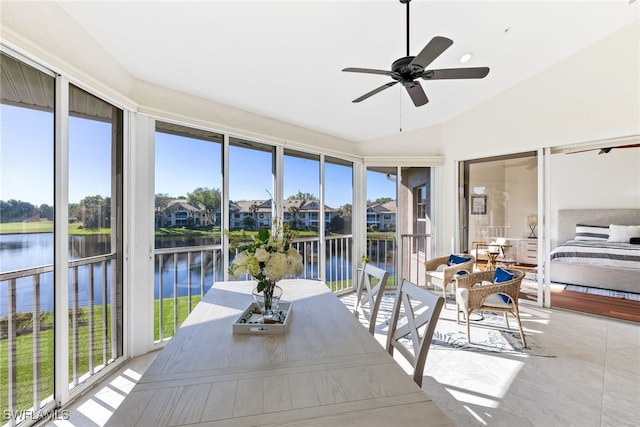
26,165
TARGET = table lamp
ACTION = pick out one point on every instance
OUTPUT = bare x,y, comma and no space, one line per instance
532,222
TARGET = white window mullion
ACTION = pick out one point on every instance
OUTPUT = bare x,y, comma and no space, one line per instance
322,249
226,219
61,242
138,307
544,231
359,214
401,205
278,184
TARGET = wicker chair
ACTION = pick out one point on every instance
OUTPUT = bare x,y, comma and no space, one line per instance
472,295
439,273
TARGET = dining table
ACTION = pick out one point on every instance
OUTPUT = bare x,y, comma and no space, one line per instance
325,369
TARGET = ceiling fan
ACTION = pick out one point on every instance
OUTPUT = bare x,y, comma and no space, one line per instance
409,68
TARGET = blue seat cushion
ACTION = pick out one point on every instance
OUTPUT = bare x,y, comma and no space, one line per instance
502,275
455,259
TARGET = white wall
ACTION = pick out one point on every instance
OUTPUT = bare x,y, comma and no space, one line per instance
591,180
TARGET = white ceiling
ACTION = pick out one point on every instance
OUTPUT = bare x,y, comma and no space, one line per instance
283,59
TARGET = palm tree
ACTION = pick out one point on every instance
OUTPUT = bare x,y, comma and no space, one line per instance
254,209
294,211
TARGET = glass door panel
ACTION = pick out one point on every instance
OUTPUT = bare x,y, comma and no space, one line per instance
95,235
381,219
188,221
338,184
499,203
26,237
415,221
301,208
251,183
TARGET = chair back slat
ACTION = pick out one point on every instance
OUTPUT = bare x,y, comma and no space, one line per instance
419,310
371,285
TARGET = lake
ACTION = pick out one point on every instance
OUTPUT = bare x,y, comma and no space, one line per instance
21,251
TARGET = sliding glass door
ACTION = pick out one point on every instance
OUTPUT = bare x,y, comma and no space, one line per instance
57,224
499,209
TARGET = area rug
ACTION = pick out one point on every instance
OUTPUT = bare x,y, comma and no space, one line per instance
604,292
493,341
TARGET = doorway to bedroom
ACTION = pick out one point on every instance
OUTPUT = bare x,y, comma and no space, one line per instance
499,214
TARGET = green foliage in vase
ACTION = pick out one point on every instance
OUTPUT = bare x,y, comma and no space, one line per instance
270,257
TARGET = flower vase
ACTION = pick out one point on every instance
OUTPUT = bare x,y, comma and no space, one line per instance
268,299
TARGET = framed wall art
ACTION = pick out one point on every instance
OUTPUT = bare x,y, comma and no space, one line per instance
479,205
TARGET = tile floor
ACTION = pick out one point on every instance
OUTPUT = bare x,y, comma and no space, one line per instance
579,370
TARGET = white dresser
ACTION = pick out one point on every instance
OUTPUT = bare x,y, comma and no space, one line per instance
520,250
527,251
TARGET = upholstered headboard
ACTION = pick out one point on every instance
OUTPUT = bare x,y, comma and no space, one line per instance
568,218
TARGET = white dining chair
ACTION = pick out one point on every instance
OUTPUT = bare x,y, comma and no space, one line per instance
372,281
413,321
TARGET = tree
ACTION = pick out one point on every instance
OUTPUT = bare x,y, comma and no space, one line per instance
337,224
46,212
302,196
345,212
95,212
162,201
248,222
379,201
210,199
254,211
294,211
16,211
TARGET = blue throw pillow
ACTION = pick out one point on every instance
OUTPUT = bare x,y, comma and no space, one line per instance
455,259
502,275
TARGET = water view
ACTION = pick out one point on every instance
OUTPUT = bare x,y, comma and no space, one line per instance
27,251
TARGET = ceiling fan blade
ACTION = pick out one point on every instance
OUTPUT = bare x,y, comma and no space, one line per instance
431,51
456,73
367,70
373,92
417,94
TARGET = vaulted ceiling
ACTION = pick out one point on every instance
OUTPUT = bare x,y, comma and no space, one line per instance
283,59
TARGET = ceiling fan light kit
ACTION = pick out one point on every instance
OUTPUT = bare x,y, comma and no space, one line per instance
408,69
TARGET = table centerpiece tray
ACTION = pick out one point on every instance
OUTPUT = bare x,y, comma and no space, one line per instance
252,321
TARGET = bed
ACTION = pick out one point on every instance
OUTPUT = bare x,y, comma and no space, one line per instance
585,257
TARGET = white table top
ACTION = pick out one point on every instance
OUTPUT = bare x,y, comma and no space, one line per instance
325,370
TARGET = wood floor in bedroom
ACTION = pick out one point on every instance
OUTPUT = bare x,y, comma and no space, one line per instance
599,305
617,308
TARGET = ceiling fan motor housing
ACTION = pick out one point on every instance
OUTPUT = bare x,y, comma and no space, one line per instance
405,69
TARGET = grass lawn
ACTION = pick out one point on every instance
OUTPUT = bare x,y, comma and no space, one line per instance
24,357
47,227
24,362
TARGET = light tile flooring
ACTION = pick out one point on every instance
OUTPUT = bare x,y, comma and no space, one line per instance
592,378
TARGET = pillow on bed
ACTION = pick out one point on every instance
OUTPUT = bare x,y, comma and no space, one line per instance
623,233
592,232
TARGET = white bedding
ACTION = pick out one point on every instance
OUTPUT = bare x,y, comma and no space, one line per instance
591,252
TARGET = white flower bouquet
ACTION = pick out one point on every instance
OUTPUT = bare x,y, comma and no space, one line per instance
268,258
